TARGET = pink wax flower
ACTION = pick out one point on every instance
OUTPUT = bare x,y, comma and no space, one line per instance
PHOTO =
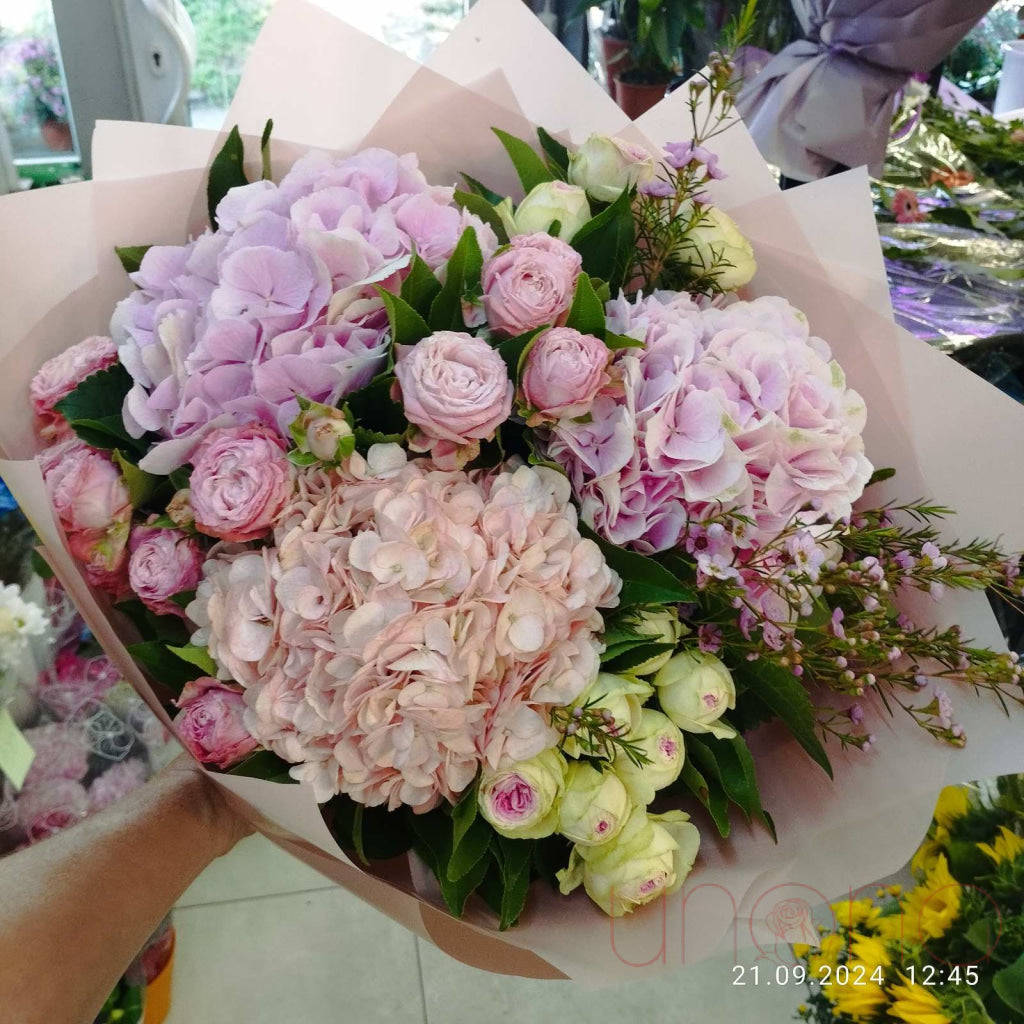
530,283
455,389
563,374
240,482
210,722
163,563
59,376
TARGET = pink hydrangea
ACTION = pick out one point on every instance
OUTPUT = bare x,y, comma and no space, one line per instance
280,299
116,783
61,753
737,406
59,376
408,624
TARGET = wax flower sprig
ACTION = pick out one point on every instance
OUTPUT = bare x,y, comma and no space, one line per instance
594,729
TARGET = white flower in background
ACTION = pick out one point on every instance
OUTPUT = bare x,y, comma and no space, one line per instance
547,203
19,621
595,805
605,166
716,241
695,689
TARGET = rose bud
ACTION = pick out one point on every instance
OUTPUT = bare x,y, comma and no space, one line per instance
595,805
179,511
547,203
530,283
695,689
659,738
163,563
563,374
620,697
323,432
650,858
662,625
521,799
240,483
605,166
210,722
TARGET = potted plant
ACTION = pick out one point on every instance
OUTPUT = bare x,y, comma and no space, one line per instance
31,69
656,42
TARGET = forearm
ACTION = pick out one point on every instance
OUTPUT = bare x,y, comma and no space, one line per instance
76,909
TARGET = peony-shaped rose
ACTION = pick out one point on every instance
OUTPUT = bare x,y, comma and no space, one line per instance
620,697
547,204
650,858
521,800
240,482
210,722
605,166
51,806
717,242
695,689
455,389
59,376
595,805
530,283
662,743
163,563
563,374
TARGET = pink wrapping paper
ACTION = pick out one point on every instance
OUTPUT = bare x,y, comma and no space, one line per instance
949,433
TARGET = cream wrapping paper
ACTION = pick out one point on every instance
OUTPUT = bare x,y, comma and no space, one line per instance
950,434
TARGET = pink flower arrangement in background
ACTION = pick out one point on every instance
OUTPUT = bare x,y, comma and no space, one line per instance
61,752
73,682
59,376
736,406
210,722
50,807
408,624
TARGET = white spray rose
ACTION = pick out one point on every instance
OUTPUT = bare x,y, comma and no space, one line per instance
662,625
605,167
621,697
521,799
650,858
695,689
717,240
595,805
548,202
659,738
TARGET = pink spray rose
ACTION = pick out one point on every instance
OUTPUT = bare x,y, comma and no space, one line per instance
94,507
530,283
240,482
210,723
564,371
59,376
455,390
51,807
163,563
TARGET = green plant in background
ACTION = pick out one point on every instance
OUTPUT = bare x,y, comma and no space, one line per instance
976,62
225,30
657,39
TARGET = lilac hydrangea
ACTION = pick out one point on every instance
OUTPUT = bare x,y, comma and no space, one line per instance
735,406
279,300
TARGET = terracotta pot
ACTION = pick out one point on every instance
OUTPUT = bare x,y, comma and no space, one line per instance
615,58
57,136
637,98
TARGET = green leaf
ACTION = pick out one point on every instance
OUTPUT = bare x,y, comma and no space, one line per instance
472,846
484,209
268,129
617,341
711,796
226,172
420,287
40,566
184,599
434,844
93,409
131,256
462,281
141,485
731,763
478,188
531,169
626,662
586,314
301,459
984,935
197,656
168,629
357,834
514,350
407,326
464,813
879,475
644,581
374,410
516,858
164,666
383,834
786,696
557,154
366,438
1008,984
606,241
263,764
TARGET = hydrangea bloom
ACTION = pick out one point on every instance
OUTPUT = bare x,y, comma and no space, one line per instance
409,624
116,782
61,753
736,406
278,300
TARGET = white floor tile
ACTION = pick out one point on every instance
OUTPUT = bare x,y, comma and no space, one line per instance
255,867
456,994
301,958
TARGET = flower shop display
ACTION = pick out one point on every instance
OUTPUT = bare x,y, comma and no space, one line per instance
30,71
517,522
948,950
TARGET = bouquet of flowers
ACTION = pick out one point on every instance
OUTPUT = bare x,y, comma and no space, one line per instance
493,516
948,949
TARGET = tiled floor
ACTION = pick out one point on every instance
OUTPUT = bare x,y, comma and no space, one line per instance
262,939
